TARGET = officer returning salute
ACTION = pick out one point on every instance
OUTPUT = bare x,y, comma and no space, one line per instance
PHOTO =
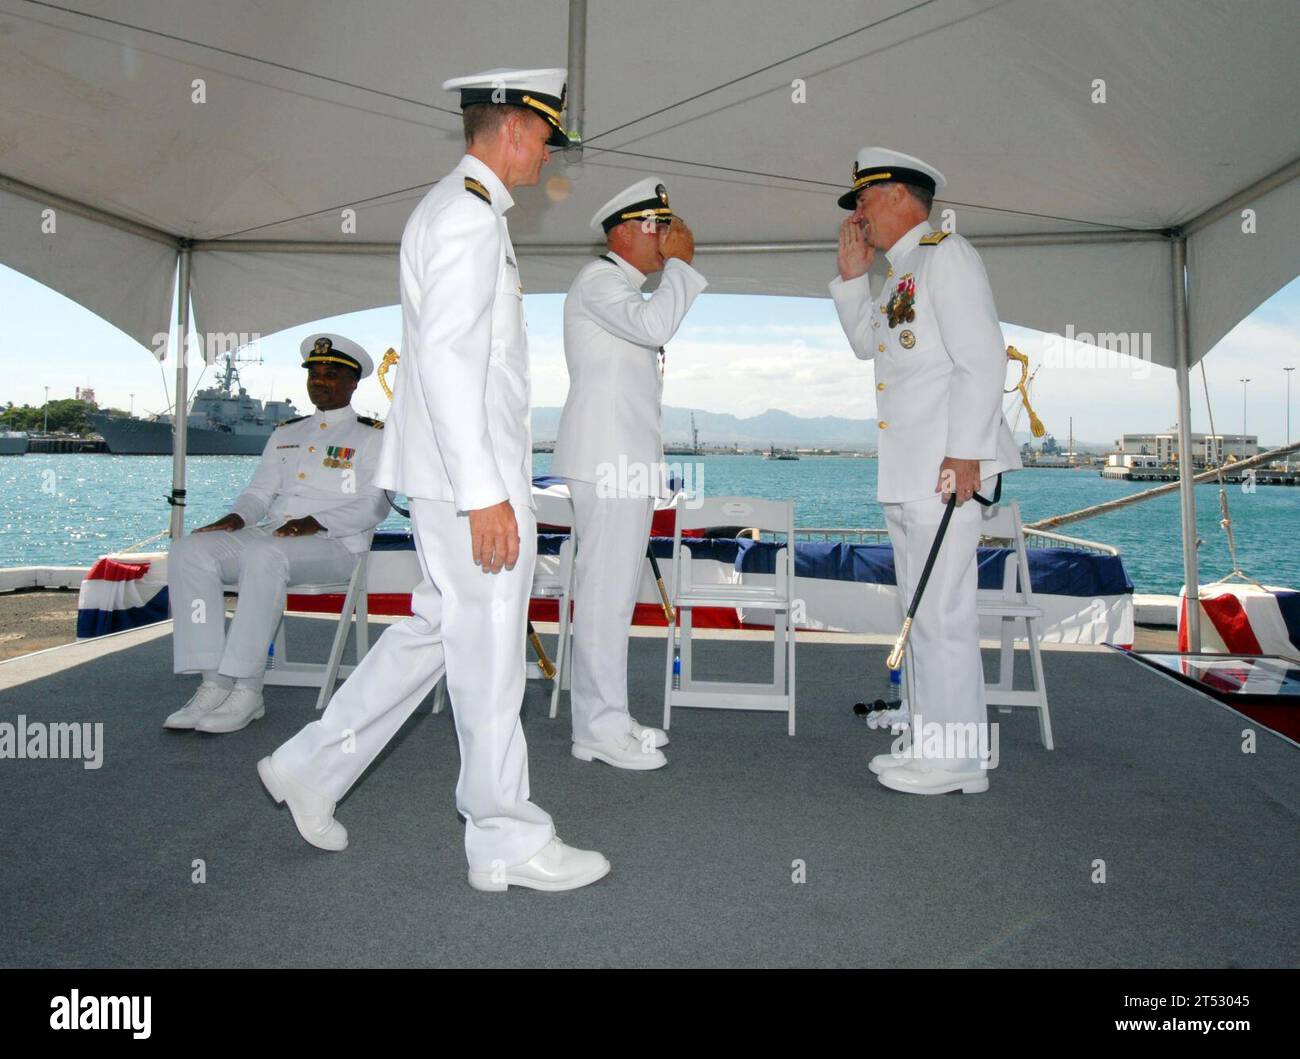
610,448
315,487
940,363
458,445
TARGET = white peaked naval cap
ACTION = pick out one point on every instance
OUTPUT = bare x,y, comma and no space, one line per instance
645,200
335,349
879,165
541,91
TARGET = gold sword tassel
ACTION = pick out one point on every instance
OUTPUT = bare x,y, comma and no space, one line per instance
1035,424
390,359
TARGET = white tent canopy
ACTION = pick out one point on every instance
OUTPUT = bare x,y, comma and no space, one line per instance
1200,103
1089,148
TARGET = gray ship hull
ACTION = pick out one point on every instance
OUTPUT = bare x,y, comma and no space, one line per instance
142,437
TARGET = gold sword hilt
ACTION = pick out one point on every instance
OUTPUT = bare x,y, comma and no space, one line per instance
670,611
543,662
895,659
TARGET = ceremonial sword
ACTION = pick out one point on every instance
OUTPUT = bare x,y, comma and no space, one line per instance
669,612
895,659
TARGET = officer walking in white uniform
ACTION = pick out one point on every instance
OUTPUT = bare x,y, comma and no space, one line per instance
940,361
307,515
610,448
458,445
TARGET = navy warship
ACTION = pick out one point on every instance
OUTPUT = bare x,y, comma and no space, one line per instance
223,421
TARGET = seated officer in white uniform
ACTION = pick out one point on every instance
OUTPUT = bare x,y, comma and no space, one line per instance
458,445
309,512
940,361
610,448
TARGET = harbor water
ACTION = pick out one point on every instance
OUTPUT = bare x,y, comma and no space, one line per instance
69,509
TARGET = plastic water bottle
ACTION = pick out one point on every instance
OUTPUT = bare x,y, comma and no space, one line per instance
270,656
677,667
895,687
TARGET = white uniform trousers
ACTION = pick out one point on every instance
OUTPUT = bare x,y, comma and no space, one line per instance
945,683
611,537
263,566
471,625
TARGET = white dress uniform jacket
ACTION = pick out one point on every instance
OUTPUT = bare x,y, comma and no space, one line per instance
465,364
939,378
321,465
613,335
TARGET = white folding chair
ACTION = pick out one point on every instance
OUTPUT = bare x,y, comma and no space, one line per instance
551,511
281,671
1014,602
687,593
558,511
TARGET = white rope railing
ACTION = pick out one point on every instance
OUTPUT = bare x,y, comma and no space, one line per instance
873,535
141,544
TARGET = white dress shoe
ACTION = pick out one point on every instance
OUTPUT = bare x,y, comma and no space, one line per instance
631,753
208,697
242,705
889,760
555,867
639,732
313,813
912,780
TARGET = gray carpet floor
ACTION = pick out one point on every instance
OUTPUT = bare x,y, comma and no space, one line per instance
1199,839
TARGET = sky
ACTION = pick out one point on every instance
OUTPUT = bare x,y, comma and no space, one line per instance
740,354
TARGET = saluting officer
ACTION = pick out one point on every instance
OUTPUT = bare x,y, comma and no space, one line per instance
940,362
307,515
610,448
458,445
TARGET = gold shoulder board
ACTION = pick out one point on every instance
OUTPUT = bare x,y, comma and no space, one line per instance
478,190
378,424
934,238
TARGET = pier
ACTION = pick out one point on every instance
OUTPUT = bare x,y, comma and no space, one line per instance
64,443
1257,475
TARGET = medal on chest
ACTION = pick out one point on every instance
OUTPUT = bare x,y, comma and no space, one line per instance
900,307
338,456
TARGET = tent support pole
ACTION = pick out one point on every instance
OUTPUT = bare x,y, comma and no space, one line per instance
575,110
180,406
1186,473
821,246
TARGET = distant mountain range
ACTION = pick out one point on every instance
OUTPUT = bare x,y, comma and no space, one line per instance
772,427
